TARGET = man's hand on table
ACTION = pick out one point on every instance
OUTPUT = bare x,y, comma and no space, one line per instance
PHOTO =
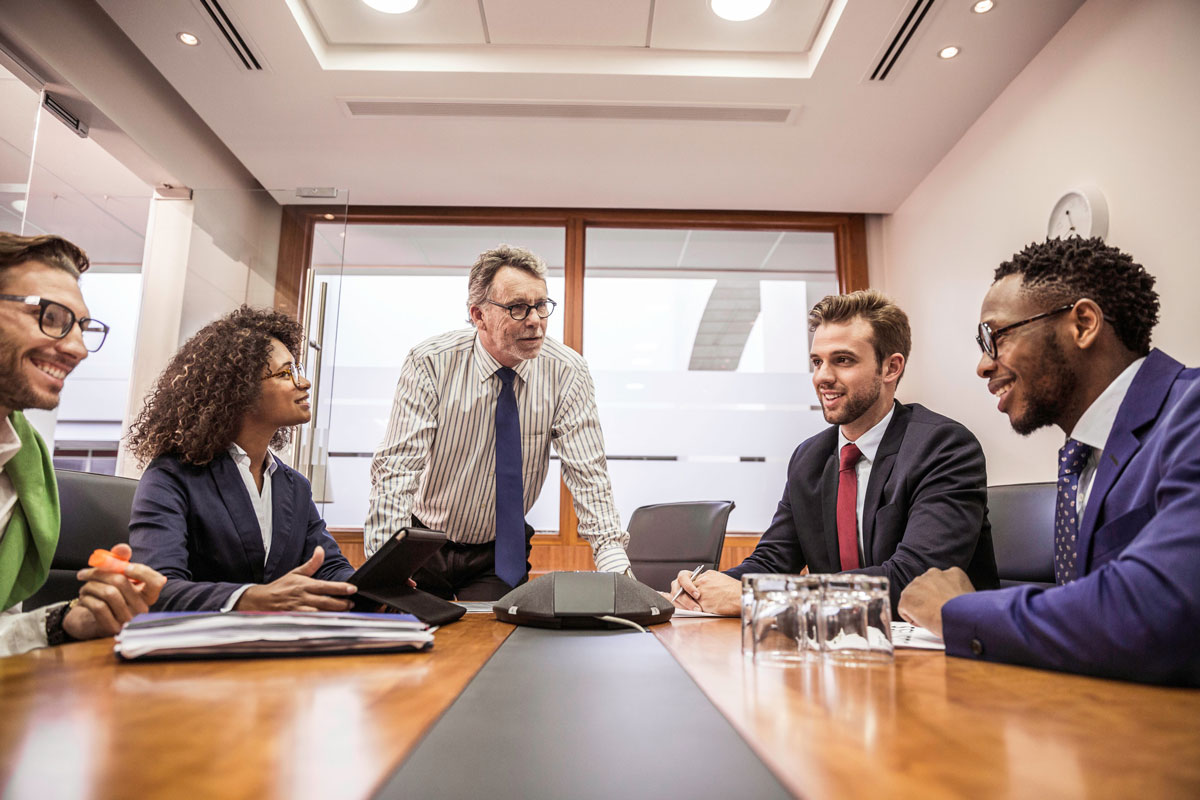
714,592
107,600
922,600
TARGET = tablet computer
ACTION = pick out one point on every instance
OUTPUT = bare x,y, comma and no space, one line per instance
395,562
384,578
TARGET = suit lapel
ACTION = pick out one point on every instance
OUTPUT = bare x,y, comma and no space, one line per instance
1139,409
237,502
282,556
829,490
881,470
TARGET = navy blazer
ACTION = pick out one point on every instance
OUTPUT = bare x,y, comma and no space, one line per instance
1134,613
925,506
197,526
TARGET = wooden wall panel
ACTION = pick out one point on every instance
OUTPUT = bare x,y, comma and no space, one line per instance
550,555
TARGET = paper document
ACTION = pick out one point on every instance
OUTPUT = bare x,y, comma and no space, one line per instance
683,613
203,634
905,634
476,606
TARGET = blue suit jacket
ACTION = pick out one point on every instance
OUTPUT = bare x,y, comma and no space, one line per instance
197,526
1134,613
925,506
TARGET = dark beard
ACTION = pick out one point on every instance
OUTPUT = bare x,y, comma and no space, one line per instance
1047,399
15,392
856,405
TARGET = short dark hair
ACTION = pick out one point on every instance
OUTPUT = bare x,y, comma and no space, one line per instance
197,404
1059,271
54,251
889,324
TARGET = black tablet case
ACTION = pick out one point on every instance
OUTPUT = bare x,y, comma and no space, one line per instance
384,578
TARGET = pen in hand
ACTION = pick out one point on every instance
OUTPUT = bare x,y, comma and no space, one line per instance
695,574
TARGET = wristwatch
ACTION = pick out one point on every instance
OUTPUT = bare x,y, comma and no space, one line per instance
55,632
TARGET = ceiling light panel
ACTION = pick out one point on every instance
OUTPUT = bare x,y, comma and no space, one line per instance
788,26
739,10
568,23
434,22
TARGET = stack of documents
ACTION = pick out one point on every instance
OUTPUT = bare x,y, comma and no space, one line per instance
204,634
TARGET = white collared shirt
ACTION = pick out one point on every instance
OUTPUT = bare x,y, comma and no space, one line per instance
10,444
262,507
1096,423
260,500
868,445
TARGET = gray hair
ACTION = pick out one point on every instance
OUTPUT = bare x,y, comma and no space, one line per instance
484,270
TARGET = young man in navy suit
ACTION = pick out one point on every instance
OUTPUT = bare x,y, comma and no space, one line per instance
1065,331
890,490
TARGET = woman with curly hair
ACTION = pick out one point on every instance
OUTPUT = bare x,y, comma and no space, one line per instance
230,525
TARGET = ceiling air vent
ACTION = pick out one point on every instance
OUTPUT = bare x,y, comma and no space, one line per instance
233,39
904,34
56,108
588,111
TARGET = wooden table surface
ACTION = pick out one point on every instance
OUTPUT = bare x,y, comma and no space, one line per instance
76,723
930,726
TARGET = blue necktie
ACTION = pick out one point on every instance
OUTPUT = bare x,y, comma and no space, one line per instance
510,503
1071,460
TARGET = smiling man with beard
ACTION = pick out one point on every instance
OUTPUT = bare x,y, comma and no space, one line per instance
467,447
45,332
1065,333
891,490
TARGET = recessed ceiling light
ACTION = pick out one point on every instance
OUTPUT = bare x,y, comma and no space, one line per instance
739,10
393,6
983,6
948,52
329,216
190,39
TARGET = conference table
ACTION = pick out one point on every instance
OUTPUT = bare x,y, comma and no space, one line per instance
75,722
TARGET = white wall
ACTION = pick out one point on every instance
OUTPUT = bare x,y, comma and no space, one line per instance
1113,100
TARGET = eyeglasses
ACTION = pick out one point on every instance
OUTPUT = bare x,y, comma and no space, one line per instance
520,311
986,338
293,371
56,320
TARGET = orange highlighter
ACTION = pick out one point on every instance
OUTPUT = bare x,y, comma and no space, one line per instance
108,561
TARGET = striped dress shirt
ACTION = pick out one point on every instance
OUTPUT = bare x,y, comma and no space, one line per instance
438,458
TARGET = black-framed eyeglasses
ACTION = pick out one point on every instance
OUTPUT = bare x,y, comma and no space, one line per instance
293,371
986,338
520,311
56,320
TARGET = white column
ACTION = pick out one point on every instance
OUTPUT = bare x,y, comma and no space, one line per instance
164,274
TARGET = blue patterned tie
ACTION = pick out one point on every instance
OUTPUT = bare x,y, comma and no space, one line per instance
1071,460
510,504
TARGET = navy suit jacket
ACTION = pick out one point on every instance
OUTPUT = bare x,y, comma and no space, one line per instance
1134,613
197,526
926,506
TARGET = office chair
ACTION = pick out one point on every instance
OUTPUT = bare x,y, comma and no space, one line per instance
1022,517
95,513
667,537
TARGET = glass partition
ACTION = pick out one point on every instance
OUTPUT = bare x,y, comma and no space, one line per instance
698,343
399,285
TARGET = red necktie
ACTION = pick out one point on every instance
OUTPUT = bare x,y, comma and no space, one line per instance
847,507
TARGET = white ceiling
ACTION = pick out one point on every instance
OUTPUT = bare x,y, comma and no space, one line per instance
849,144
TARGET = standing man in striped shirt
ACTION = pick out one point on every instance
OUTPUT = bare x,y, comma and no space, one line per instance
468,443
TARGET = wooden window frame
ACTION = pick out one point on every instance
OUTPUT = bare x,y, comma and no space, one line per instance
296,249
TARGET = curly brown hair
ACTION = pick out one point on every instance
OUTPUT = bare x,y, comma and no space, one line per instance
198,402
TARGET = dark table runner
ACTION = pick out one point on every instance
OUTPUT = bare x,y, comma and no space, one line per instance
582,714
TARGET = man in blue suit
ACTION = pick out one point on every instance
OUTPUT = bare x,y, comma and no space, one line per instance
1065,331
